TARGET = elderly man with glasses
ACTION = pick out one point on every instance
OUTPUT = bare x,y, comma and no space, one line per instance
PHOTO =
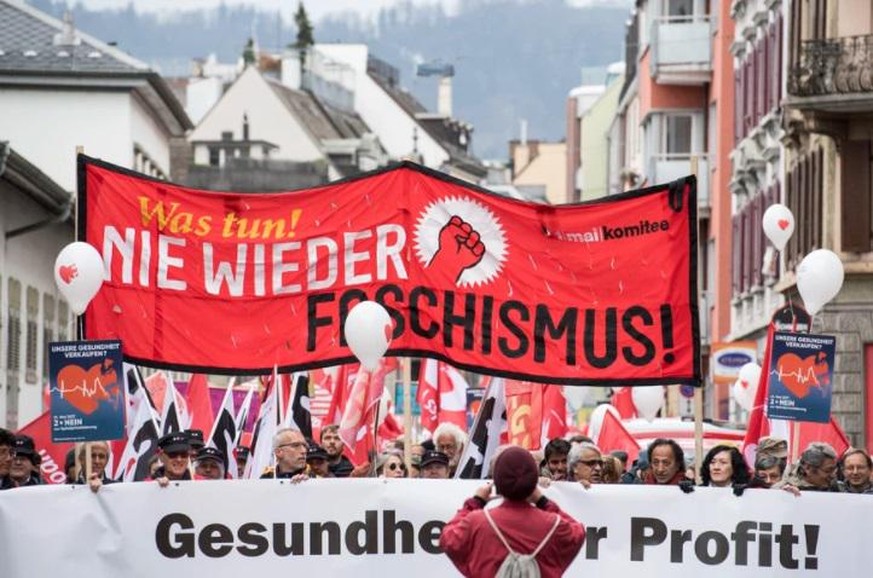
290,448
585,464
816,471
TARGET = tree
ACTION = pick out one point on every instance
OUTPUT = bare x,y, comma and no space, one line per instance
305,37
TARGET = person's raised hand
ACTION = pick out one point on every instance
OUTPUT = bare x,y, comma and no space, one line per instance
484,492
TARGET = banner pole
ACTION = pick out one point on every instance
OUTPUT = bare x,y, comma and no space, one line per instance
88,465
407,413
80,319
795,440
698,391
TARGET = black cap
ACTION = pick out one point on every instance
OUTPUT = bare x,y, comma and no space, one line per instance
242,452
23,445
210,453
174,443
434,457
195,438
316,452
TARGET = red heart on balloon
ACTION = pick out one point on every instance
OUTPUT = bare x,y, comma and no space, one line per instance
744,384
67,273
783,224
85,389
389,330
798,375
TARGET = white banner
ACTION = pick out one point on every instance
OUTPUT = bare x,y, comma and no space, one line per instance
391,528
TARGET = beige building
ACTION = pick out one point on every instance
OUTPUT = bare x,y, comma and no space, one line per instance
539,169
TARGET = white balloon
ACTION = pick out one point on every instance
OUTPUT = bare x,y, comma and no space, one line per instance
79,274
746,386
368,332
648,400
819,279
778,223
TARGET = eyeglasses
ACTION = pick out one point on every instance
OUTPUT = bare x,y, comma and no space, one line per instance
176,455
295,445
393,466
592,463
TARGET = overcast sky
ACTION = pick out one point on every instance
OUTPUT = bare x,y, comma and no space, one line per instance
315,8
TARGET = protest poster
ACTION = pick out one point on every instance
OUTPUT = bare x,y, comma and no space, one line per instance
87,396
800,383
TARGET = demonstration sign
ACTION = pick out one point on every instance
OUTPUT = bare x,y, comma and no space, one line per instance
595,294
801,377
87,398
340,527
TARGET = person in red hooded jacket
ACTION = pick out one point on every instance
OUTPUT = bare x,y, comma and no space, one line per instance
526,519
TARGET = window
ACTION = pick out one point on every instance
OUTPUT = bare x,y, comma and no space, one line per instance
31,351
48,330
680,8
804,198
677,134
63,321
13,333
214,157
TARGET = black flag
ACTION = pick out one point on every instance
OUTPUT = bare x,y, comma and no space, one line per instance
485,437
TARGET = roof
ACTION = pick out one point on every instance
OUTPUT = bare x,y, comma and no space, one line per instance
35,46
323,121
33,182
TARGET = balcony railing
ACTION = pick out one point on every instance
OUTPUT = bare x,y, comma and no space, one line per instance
668,167
681,45
833,66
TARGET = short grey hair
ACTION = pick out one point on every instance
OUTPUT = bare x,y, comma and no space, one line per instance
816,453
575,454
450,429
277,437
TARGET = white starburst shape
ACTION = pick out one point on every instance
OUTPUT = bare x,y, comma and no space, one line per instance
481,219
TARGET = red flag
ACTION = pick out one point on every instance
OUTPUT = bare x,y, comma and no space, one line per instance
524,427
622,400
54,456
759,425
359,414
829,433
453,396
156,384
342,384
427,395
554,413
390,429
199,404
614,436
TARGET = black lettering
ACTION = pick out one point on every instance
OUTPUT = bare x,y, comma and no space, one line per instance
348,300
627,323
667,333
371,535
701,548
741,537
566,326
429,536
678,539
182,543
314,321
215,540
415,312
316,532
487,320
593,536
389,533
765,545
467,319
250,535
786,540
609,337
523,341
396,316
646,532
280,543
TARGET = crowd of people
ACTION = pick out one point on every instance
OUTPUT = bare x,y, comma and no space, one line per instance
184,456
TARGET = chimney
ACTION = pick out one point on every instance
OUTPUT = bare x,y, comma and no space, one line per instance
444,97
67,36
245,135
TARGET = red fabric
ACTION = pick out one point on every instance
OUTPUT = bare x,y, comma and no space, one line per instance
427,395
474,548
622,400
54,456
341,387
554,413
829,433
520,418
614,436
359,412
434,250
199,403
156,383
390,429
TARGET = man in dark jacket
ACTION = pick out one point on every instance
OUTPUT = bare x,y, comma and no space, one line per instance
21,470
339,465
289,447
526,519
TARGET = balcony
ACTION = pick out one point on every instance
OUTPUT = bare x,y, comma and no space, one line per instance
668,167
833,75
681,50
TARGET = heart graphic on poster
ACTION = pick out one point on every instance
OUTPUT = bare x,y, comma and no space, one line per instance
783,224
797,375
67,273
83,389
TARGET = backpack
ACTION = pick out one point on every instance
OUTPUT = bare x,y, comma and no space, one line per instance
517,565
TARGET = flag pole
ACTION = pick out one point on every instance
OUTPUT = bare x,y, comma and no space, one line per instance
698,391
407,413
80,319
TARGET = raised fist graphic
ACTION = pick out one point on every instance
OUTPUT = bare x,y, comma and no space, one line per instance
459,249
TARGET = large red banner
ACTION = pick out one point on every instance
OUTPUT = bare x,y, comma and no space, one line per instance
597,293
